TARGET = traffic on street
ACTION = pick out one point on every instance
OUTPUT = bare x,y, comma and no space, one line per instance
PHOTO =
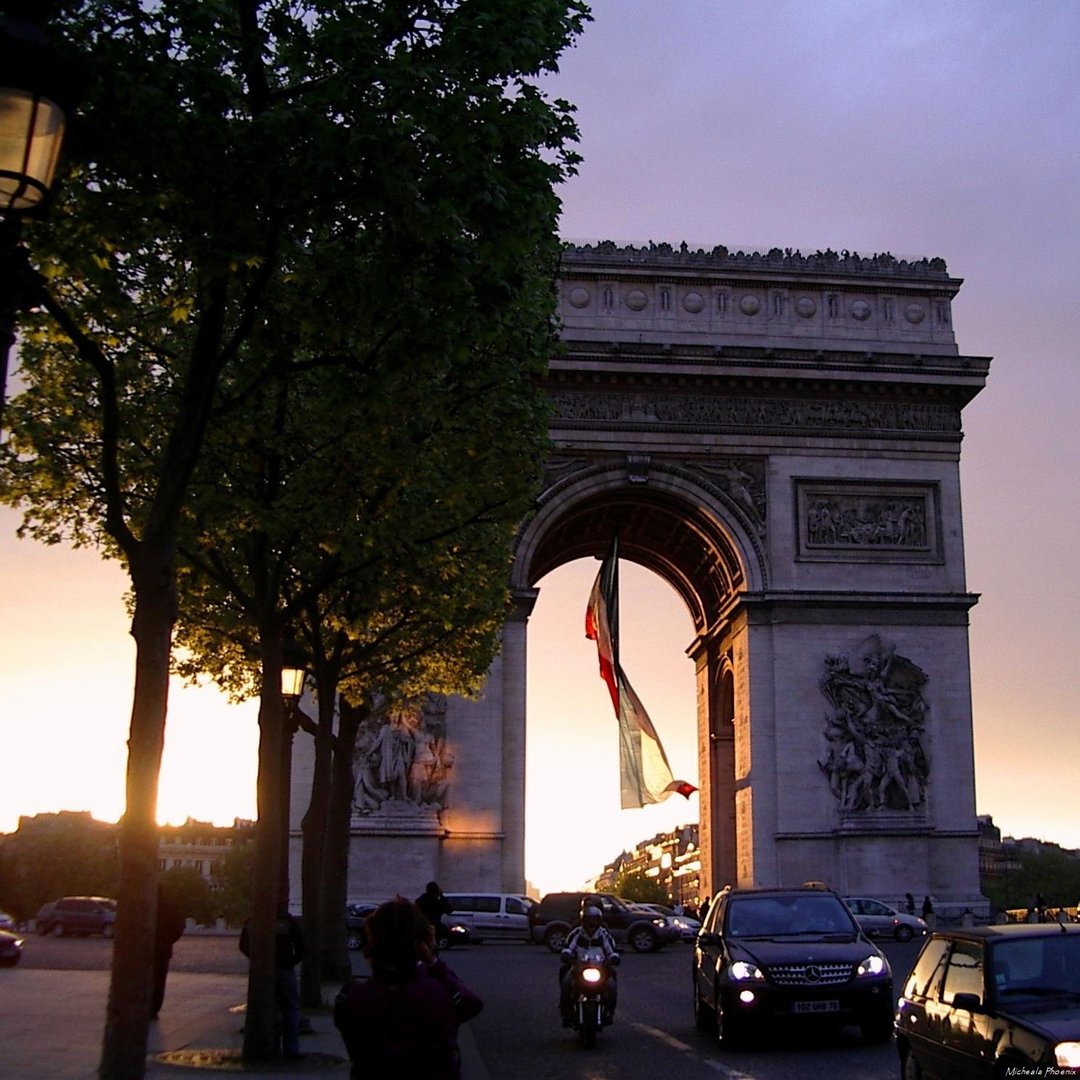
519,1036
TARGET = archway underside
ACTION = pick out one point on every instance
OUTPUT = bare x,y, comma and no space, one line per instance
681,542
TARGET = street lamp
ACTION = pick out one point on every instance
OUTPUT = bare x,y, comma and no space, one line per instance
35,99
293,671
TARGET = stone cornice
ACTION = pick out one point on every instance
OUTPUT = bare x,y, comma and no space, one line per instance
785,261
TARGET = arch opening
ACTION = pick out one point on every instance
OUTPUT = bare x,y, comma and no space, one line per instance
574,824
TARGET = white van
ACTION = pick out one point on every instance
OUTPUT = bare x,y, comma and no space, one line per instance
491,915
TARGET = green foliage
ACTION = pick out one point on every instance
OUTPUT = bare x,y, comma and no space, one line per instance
1053,874
231,883
189,892
56,855
637,886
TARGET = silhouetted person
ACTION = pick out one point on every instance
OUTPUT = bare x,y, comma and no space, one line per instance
168,926
910,900
402,1023
288,952
927,907
434,905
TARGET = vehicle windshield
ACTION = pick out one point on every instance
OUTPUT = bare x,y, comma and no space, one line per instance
783,916
1037,967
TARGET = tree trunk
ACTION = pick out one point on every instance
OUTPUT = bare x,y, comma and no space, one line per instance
313,828
260,1024
335,953
127,1016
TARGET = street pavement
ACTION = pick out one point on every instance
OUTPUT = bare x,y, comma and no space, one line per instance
51,1024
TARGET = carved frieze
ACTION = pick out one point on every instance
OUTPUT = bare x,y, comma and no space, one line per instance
867,521
713,413
875,738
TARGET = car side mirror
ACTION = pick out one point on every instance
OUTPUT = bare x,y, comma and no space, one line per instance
970,1002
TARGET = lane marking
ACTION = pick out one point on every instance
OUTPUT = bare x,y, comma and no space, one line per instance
677,1044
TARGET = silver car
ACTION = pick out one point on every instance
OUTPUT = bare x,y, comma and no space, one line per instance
878,919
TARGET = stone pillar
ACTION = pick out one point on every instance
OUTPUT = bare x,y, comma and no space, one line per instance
514,669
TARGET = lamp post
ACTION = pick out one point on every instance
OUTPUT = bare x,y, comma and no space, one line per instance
293,675
35,98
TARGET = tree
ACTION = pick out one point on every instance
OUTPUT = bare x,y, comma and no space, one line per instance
635,885
251,185
231,883
54,855
187,889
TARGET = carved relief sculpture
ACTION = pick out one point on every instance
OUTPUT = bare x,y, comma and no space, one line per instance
875,755
401,760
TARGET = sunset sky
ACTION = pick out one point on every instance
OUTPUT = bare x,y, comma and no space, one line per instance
917,128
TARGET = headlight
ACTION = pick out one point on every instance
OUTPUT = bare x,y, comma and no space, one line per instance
590,975
1068,1055
660,922
742,970
872,965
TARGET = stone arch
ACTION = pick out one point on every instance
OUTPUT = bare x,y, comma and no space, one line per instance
675,523
757,427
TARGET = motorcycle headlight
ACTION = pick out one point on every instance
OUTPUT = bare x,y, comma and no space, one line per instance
872,965
1067,1055
591,975
741,971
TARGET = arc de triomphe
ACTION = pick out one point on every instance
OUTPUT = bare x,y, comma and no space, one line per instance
778,437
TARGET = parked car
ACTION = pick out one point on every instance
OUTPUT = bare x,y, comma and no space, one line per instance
557,914
992,1001
769,956
491,915
7,922
11,946
686,926
356,914
41,919
80,915
879,919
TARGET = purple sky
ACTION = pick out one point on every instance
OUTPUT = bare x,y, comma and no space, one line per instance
919,128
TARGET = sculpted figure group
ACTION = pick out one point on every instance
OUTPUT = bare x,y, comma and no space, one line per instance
402,756
875,757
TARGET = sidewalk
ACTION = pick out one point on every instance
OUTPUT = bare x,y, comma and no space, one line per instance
52,1022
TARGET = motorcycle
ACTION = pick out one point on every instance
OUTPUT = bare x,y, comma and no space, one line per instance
590,974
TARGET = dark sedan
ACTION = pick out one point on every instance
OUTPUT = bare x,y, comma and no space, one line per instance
992,1001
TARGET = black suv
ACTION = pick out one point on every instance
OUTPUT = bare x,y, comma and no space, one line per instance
557,914
768,955
79,915
993,1001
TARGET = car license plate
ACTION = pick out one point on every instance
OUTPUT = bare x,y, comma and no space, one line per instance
816,1006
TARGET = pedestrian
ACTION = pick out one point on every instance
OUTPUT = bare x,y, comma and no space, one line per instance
403,1022
927,907
434,905
910,900
168,926
288,952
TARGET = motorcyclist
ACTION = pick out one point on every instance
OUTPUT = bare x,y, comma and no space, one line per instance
591,934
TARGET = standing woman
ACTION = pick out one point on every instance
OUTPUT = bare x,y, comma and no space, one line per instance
403,1021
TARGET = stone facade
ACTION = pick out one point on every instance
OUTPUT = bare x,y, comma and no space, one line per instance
778,436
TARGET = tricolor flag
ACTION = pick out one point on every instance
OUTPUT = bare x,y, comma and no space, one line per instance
644,770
